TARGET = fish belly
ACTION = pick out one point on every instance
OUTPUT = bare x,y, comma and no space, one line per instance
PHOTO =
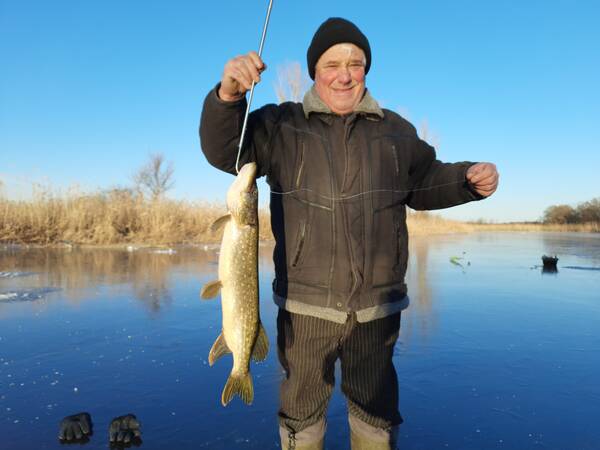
238,272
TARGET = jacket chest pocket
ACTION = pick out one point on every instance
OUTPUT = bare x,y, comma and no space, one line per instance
309,180
387,171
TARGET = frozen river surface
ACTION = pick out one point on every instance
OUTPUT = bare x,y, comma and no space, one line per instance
493,353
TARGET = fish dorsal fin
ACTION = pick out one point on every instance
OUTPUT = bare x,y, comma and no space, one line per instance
211,289
220,223
218,349
261,346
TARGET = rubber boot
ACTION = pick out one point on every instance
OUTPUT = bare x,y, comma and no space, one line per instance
311,438
367,437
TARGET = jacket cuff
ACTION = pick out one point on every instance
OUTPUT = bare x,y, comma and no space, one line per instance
219,100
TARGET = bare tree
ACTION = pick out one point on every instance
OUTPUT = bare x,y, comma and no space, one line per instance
155,177
291,83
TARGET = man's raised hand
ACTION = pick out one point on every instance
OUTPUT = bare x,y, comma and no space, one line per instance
238,75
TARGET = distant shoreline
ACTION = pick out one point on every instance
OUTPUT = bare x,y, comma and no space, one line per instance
425,223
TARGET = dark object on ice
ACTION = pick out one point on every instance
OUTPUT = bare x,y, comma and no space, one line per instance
549,261
76,428
125,430
549,264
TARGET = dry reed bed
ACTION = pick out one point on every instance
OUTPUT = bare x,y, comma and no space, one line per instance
588,227
110,219
423,222
124,218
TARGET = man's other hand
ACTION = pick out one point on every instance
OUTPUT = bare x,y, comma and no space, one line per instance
239,74
483,178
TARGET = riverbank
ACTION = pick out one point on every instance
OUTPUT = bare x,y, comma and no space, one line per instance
121,218
590,227
113,218
420,223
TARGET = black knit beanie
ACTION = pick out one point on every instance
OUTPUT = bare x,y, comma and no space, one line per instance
335,30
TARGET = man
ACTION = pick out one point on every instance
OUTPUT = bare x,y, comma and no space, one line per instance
341,171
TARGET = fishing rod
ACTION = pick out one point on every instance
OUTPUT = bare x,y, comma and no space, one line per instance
260,49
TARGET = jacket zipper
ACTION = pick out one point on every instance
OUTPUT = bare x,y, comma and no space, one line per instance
333,226
346,226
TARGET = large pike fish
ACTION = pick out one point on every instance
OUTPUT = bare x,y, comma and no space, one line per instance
243,334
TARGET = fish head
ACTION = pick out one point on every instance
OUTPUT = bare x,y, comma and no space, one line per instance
242,197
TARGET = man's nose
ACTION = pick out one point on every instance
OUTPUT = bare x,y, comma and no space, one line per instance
344,74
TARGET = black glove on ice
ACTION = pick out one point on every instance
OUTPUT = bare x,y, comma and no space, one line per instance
75,428
125,429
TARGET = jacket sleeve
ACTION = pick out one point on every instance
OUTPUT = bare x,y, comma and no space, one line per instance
435,184
221,127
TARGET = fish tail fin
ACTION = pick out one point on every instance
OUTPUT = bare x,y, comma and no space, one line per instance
261,346
240,385
218,349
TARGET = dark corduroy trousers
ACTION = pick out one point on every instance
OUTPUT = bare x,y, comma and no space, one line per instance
308,348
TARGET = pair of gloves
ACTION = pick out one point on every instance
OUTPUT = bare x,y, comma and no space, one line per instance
122,430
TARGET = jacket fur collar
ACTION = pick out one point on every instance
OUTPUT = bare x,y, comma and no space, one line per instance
312,103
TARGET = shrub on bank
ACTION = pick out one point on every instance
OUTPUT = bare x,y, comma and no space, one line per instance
586,212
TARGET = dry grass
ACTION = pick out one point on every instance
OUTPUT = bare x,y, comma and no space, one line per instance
423,222
589,227
120,217
105,219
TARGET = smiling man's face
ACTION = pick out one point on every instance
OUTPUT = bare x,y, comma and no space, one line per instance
340,77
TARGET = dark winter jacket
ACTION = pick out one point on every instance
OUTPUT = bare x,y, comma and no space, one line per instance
339,186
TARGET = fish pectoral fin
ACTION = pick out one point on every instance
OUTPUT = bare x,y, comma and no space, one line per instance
240,385
211,289
220,223
218,349
261,346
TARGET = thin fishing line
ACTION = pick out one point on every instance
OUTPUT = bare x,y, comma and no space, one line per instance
348,197
260,49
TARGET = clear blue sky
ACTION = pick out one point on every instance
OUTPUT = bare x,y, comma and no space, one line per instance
89,89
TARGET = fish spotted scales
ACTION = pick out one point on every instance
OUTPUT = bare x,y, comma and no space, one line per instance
242,334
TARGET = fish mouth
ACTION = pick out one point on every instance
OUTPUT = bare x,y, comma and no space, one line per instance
247,177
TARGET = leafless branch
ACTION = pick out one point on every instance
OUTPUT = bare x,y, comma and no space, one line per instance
155,177
291,83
